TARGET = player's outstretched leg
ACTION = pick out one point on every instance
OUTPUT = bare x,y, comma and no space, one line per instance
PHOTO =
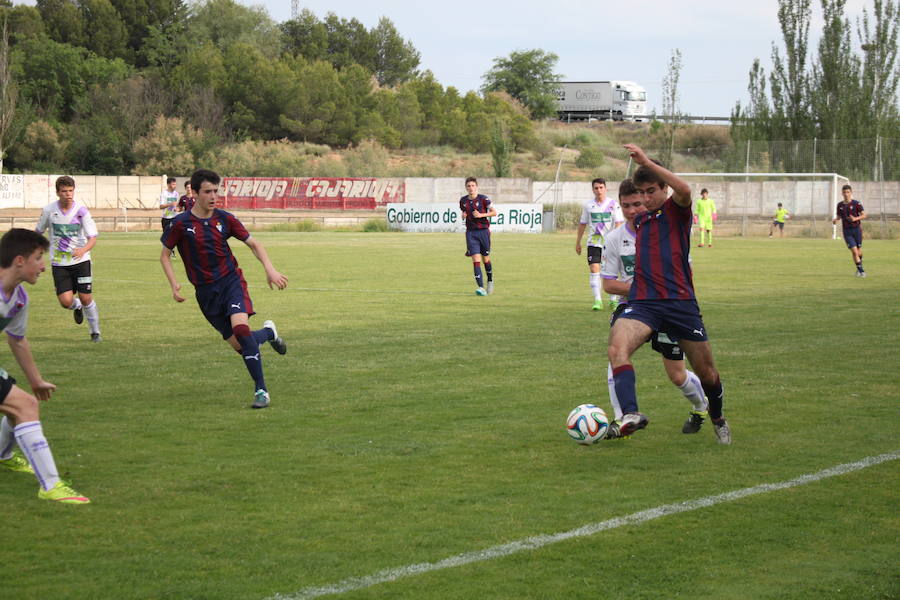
489,271
11,457
253,361
275,340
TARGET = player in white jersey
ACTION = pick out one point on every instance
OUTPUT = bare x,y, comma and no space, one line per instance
617,272
168,202
72,235
21,260
602,215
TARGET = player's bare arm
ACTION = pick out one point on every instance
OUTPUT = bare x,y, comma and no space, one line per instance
22,351
614,286
579,235
79,252
273,277
165,259
681,191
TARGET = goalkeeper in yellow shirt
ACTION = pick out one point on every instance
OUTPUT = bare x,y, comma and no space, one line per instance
706,214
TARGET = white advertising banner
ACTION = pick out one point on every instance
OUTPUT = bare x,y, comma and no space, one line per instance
12,191
446,216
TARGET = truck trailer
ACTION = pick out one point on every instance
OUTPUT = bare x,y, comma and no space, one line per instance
600,100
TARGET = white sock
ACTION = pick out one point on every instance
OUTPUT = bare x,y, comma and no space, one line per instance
7,439
30,437
76,303
614,298
613,398
93,317
693,391
595,286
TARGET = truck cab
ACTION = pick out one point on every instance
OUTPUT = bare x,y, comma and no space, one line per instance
629,100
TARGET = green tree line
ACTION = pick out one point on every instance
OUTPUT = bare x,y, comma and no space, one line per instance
149,86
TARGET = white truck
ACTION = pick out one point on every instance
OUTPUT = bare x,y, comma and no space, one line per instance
601,100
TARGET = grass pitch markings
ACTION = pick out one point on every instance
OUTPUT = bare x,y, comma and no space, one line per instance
539,541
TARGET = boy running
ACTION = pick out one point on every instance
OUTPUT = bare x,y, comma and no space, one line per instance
477,211
617,272
603,215
72,235
662,294
22,260
201,235
850,212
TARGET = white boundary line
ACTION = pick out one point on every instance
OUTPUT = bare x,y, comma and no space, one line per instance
388,575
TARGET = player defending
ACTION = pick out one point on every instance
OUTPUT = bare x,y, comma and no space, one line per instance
617,273
477,211
706,214
21,260
168,202
72,235
778,221
662,294
201,235
850,212
603,215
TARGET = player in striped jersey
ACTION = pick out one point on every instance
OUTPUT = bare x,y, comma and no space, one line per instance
617,272
22,260
72,235
201,235
662,294
477,211
603,215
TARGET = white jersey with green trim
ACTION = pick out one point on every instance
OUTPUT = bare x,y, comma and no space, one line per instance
14,312
600,218
618,255
67,231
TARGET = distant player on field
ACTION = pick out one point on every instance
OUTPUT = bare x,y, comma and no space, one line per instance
168,202
617,272
850,212
22,260
603,215
778,221
72,235
186,202
201,235
706,214
477,211
662,294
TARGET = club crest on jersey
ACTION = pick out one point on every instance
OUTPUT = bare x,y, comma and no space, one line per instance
219,227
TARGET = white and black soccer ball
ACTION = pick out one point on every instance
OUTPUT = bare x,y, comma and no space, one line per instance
587,424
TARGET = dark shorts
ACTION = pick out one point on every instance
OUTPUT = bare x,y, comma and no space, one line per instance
853,237
778,224
226,297
166,223
659,341
73,278
595,255
478,241
6,384
680,319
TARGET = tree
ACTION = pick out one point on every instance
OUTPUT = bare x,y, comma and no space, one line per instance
167,148
789,79
670,107
305,36
395,58
880,74
225,23
9,93
528,77
108,36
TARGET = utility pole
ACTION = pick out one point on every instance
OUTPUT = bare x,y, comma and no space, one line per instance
295,9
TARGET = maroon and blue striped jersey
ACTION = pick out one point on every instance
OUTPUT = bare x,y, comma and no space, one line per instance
845,210
482,204
662,270
203,244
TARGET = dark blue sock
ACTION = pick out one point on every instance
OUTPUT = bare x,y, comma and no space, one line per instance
251,355
478,277
716,396
624,381
263,335
489,270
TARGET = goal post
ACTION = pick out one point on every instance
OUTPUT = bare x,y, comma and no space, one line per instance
756,195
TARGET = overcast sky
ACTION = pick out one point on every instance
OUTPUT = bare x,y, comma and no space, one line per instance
598,40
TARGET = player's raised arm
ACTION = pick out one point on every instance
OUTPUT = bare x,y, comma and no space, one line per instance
273,277
681,191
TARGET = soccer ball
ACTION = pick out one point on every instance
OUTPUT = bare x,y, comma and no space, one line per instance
587,424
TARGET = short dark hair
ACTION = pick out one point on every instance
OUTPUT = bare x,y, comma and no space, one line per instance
846,187
169,180
598,180
468,179
644,175
187,184
779,204
201,175
627,188
20,242
704,191
64,181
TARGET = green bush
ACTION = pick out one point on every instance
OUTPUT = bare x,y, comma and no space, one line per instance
589,158
375,226
567,215
302,225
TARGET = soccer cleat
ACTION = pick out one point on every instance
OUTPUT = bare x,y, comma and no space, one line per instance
598,305
95,337
63,493
862,273
723,432
490,287
631,422
699,245
613,304
78,315
481,292
260,399
694,422
613,432
277,344
17,463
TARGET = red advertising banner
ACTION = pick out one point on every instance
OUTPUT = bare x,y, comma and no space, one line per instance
311,193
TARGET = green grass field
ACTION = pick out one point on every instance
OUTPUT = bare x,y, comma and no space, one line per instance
412,422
